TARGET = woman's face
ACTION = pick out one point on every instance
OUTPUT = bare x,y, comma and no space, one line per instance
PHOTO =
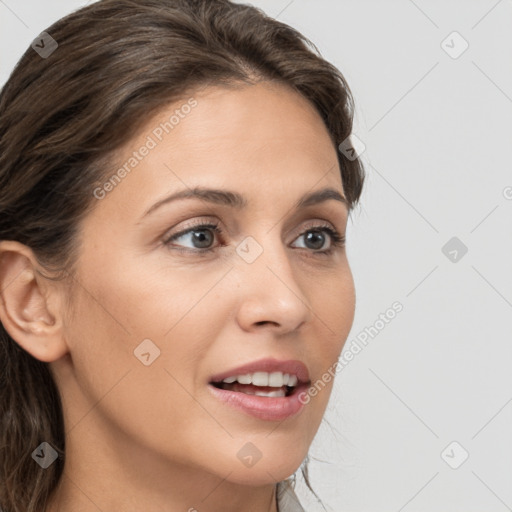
153,320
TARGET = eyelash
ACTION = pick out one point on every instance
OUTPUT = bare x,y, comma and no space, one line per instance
337,239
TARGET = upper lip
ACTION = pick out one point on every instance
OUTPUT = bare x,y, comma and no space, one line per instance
292,367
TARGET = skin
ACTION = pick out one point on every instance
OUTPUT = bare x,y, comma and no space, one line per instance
152,437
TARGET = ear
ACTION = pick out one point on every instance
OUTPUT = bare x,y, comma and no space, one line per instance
29,303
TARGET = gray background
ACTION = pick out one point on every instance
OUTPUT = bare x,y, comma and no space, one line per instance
438,139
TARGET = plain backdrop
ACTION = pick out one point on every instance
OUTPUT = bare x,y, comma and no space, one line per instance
421,417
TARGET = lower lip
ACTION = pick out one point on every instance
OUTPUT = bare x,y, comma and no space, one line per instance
262,407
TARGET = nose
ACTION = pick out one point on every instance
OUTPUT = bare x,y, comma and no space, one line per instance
270,295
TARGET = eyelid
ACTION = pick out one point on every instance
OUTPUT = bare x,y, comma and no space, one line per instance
188,225
315,223
337,237
201,221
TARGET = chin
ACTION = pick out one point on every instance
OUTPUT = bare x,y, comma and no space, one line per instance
276,463
262,475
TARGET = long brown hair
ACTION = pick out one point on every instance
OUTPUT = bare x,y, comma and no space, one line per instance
62,117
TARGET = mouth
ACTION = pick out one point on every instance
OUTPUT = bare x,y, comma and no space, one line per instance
267,389
274,391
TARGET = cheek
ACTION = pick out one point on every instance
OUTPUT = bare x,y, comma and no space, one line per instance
129,309
149,404
333,306
151,295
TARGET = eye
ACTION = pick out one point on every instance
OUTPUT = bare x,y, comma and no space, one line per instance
316,239
202,236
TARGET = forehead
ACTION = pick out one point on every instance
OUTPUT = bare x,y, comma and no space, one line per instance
255,138
267,112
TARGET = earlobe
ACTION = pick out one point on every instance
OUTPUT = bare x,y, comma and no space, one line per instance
28,304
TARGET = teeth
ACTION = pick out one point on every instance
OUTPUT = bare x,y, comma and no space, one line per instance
271,394
244,379
274,379
277,379
260,379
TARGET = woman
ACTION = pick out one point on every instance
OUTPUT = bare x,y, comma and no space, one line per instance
173,274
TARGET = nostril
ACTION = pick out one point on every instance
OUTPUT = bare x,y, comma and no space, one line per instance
263,322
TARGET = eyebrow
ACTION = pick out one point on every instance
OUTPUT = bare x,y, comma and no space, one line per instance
237,201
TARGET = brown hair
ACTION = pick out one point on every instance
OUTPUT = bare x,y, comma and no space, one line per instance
62,117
